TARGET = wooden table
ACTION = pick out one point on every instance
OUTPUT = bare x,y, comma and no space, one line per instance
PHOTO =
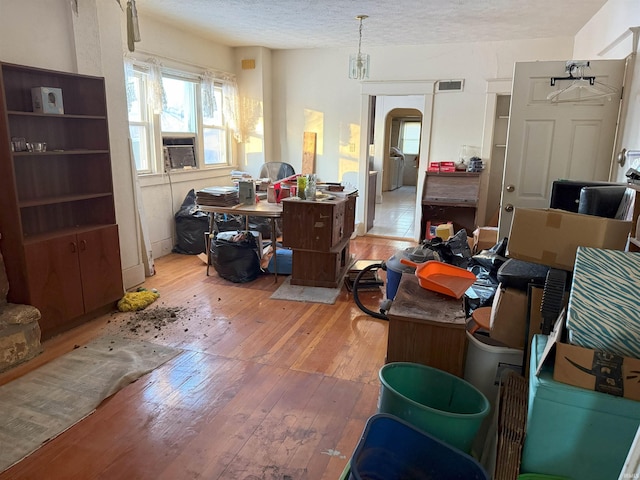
426,327
260,209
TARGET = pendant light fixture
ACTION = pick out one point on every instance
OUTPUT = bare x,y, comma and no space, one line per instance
359,62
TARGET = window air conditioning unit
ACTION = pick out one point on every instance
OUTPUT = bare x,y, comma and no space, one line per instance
179,152
450,85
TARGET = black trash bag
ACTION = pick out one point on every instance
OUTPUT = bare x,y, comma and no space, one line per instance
225,222
263,225
236,258
485,266
454,251
500,248
191,226
489,261
480,294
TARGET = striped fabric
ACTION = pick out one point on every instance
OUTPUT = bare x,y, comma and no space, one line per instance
604,305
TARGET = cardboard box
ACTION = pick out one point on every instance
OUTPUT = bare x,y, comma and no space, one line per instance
509,317
591,369
434,167
597,370
47,100
551,237
484,238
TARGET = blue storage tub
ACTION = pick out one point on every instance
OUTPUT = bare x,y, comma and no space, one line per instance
391,448
285,261
573,432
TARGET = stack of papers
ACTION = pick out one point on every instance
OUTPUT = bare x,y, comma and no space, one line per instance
217,196
239,175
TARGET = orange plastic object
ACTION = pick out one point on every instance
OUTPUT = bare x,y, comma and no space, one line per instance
441,277
480,318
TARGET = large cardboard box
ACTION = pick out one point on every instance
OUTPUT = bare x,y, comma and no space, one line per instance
591,369
596,370
509,317
551,237
484,238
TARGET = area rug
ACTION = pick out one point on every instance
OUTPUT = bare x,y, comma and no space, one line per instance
300,293
42,404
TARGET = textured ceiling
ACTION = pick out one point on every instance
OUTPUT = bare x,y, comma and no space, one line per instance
286,24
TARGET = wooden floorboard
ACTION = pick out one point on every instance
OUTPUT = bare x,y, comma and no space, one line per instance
264,389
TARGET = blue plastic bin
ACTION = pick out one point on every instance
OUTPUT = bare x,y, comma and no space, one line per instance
285,261
390,449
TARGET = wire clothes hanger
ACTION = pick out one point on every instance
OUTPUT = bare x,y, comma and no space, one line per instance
580,84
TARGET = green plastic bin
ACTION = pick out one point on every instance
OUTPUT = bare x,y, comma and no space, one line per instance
434,401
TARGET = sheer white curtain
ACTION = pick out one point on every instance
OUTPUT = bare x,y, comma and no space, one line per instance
230,106
156,96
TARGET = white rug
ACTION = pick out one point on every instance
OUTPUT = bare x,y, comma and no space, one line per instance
300,293
42,404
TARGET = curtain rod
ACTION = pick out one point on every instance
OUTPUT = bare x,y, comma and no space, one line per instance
182,62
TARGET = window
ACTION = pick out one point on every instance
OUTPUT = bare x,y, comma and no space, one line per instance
214,133
181,115
410,138
140,127
179,112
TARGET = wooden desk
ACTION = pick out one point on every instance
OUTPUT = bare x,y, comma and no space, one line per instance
426,327
260,209
450,197
318,233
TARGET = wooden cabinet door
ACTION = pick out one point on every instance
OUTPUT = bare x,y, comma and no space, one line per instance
55,286
99,254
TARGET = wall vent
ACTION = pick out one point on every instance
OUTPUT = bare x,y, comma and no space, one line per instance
450,85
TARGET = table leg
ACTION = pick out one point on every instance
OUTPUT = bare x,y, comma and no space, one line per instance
274,243
208,239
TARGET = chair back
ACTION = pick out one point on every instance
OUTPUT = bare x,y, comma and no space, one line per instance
276,170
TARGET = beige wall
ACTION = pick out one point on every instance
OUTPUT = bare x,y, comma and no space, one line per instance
300,90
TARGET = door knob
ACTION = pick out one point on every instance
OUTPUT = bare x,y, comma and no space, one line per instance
510,188
508,208
622,157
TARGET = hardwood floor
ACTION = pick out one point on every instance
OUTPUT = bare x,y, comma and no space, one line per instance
264,389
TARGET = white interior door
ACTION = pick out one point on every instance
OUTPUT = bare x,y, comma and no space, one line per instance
572,138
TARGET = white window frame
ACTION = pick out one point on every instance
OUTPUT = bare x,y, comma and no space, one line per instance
147,122
155,132
403,137
220,127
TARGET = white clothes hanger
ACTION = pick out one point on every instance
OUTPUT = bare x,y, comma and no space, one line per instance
582,84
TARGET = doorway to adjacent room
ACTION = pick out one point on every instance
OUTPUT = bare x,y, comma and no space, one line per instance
395,212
